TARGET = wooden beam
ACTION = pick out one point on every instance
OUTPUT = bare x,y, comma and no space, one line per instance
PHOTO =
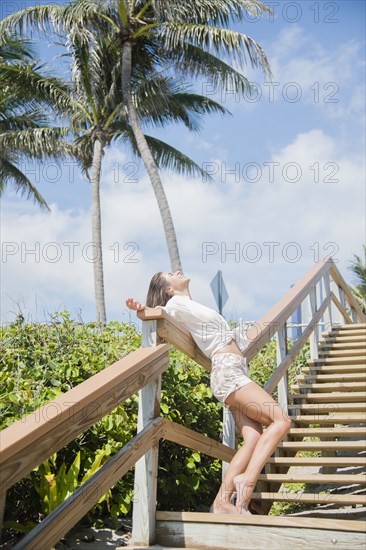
295,350
194,440
338,279
29,441
346,317
60,521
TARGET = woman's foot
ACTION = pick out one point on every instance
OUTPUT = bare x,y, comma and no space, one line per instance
243,510
223,508
244,490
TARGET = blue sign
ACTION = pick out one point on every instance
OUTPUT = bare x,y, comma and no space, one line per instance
219,291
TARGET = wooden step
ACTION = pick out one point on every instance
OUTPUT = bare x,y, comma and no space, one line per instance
334,369
329,432
336,418
359,445
343,346
343,340
330,408
344,479
340,377
357,360
341,397
351,326
311,498
328,387
343,330
339,461
255,532
346,353
343,333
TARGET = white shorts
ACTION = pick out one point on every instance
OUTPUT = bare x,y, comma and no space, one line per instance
228,374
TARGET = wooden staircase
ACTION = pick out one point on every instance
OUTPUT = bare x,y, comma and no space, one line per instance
325,450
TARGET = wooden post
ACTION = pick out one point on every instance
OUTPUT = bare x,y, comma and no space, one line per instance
314,337
146,469
281,338
228,437
328,311
353,315
338,293
2,512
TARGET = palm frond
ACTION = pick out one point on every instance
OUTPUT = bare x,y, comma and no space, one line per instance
29,119
160,100
194,62
30,85
216,12
39,143
10,174
220,41
165,156
358,267
169,158
53,17
15,48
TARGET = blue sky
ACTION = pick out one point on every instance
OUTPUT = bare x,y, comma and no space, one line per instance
289,185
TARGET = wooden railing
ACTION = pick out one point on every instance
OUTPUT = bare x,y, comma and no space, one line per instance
31,440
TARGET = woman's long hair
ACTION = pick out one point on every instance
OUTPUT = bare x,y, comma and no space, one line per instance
157,295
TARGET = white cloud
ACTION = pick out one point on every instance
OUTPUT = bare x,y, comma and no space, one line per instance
307,73
328,79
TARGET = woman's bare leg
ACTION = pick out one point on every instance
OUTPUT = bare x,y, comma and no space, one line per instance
255,403
251,431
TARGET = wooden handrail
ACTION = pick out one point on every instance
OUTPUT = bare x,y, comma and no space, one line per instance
60,521
31,440
168,329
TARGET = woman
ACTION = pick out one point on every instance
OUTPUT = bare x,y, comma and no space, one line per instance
251,406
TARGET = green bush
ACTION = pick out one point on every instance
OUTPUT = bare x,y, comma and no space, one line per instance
41,361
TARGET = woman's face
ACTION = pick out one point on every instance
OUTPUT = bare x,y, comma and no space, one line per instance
176,282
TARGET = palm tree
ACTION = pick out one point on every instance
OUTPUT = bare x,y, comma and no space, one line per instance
358,267
25,97
184,38
101,119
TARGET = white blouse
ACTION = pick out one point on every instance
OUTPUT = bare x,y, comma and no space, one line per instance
208,328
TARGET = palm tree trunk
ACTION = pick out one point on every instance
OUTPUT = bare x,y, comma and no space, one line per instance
148,160
97,233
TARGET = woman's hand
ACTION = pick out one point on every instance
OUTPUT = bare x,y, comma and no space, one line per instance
133,304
